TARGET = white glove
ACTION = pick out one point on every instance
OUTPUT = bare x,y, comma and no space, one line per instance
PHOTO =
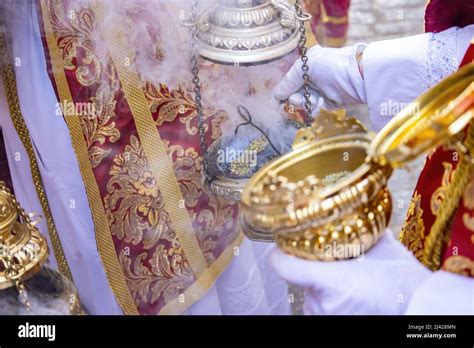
334,74
317,101
443,293
380,282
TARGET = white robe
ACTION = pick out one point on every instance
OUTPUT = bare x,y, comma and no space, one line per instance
397,71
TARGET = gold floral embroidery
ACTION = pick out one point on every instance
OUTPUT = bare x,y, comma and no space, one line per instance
413,231
75,32
74,26
218,218
242,166
468,201
153,261
440,193
211,221
137,216
459,265
169,275
468,198
179,104
468,221
169,104
99,127
133,202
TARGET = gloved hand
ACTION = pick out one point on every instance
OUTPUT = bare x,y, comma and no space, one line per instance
317,101
334,74
380,282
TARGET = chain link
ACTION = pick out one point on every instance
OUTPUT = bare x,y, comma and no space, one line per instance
194,30
304,57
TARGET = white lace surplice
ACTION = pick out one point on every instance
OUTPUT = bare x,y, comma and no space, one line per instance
397,71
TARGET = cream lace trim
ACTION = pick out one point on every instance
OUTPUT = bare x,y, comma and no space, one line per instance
442,58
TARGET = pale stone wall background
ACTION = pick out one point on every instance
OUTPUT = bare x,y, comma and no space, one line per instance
374,20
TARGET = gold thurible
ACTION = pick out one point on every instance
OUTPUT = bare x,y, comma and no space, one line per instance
330,199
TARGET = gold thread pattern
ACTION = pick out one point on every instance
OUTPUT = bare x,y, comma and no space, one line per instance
460,265
159,153
468,200
435,241
99,126
440,193
413,230
102,231
152,143
134,199
137,216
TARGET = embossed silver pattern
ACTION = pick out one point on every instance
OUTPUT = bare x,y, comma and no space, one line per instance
230,189
243,32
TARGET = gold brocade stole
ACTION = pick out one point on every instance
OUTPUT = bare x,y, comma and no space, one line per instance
160,163
438,198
